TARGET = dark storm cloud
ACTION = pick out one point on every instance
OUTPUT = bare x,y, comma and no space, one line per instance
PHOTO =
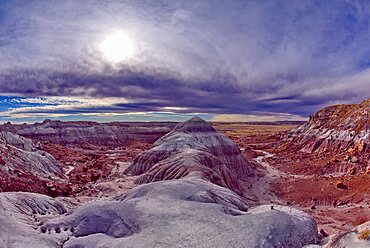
221,57
161,89
154,90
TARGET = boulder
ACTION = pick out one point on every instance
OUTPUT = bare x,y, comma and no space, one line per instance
341,185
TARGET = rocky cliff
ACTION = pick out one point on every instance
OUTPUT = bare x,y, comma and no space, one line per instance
339,131
342,126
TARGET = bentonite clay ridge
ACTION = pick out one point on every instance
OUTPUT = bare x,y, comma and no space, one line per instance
193,149
185,212
21,154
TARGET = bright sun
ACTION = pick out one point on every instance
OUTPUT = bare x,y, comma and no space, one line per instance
117,47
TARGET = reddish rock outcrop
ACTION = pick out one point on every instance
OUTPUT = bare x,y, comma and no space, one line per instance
326,160
336,128
339,135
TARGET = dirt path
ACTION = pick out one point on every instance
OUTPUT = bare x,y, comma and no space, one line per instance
261,188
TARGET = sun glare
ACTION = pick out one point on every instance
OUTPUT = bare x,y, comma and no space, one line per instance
117,47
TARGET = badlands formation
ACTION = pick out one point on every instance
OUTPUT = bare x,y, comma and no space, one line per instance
341,132
193,149
325,165
190,211
112,134
24,167
192,187
22,154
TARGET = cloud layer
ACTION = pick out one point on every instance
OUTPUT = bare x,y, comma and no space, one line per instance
215,57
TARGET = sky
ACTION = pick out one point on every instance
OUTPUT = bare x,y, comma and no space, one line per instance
224,60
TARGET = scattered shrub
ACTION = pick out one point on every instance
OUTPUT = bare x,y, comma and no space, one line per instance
364,234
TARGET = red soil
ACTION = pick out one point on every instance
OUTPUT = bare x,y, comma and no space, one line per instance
92,163
333,208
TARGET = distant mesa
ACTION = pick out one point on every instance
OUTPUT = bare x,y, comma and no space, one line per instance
87,132
193,149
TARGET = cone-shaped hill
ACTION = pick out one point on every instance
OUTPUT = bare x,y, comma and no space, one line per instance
193,149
